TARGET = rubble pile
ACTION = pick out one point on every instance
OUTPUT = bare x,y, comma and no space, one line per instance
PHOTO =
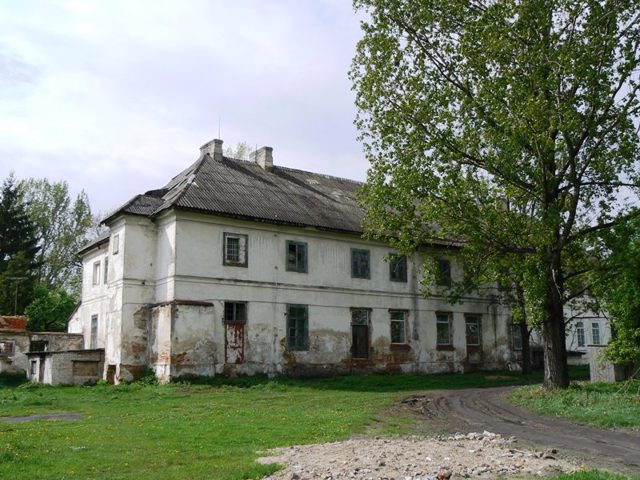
445,457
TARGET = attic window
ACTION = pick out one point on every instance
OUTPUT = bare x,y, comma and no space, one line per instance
235,250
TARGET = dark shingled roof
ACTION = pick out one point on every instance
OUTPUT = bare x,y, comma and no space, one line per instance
242,189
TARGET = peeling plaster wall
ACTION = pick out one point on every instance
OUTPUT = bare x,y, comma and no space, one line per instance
164,268
330,293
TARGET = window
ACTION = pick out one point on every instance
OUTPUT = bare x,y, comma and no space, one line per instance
580,334
595,332
516,335
443,277
297,327
33,368
38,346
473,330
6,347
235,312
360,263
116,244
106,270
296,256
398,268
398,326
94,332
235,250
443,329
96,273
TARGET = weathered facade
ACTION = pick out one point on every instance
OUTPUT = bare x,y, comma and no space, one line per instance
16,342
239,267
66,367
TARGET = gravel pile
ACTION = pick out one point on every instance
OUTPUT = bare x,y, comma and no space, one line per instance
473,455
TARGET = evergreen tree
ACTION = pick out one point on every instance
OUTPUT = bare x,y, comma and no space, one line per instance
18,251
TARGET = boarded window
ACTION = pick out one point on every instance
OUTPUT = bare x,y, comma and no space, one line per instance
595,333
84,368
297,327
235,250
115,244
235,312
106,270
580,334
360,263
94,332
96,274
398,268
38,346
443,329
296,256
6,347
398,326
443,276
473,330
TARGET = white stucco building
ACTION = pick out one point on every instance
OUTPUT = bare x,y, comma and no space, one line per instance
242,267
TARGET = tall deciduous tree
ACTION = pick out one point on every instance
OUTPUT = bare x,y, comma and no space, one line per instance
62,227
18,251
508,124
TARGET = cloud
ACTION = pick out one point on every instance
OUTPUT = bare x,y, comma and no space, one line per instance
116,97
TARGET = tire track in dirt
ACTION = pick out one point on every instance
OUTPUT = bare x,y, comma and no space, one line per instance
486,409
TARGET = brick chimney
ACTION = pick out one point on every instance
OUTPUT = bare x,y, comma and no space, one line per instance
213,148
263,157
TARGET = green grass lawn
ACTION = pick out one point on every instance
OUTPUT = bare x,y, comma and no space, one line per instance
605,405
212,430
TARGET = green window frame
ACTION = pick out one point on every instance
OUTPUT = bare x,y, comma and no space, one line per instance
296,256
297,327
397,267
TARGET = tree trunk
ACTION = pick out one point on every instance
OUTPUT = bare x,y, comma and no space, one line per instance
556,372
526,347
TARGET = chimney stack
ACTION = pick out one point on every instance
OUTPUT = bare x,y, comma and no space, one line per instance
213,148
263,157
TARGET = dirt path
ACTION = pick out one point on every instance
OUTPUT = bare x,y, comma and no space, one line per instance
485,409
43,416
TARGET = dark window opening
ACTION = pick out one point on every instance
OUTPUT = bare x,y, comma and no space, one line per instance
235,312
444,272
296,256
38,346
360,263
297,327
398,268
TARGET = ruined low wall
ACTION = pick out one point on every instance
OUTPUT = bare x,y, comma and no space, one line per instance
73,367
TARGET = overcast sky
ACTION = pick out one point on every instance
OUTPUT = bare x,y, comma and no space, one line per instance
116,97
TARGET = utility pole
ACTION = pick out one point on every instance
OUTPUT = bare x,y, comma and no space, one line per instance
17,280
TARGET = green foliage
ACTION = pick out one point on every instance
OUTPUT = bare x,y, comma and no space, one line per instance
62,226
605,405
619,290
507,126
50,309
18,251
